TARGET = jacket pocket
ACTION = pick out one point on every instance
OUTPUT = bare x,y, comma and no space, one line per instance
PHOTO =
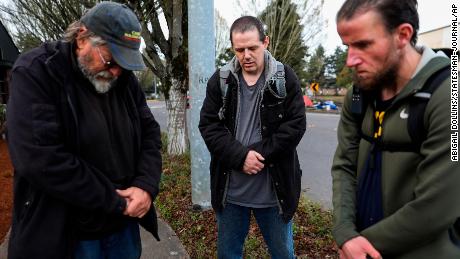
45,127
275,114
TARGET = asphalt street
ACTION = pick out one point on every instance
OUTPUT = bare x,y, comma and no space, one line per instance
315,150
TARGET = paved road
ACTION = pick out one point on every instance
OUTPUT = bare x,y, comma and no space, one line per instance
315,150
159,112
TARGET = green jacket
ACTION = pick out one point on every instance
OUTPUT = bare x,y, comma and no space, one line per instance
421,191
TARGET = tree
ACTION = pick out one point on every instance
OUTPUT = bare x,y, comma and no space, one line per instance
292,26
345,77
166,51
146,79
224,57
336,61
285,32
316,66
168,59
222,42
37,21
335,66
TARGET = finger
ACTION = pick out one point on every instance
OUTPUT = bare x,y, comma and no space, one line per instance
259,166
259,156
124,193
375,255
372,252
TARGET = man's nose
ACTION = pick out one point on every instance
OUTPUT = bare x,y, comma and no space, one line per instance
353,58
247,53
115,70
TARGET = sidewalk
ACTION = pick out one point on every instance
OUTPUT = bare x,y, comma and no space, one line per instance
169,246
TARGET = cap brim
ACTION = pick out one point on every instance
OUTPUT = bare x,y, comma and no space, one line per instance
127,58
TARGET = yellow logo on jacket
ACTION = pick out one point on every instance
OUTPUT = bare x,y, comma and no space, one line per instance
379,118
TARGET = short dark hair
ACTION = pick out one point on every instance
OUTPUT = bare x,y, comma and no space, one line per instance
393,12
247,23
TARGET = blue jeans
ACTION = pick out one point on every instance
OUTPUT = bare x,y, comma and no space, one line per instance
125,244
233,226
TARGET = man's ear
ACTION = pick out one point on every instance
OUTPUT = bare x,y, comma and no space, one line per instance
404,34
81,40
266,41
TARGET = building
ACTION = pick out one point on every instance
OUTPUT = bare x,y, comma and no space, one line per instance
436,39
8,54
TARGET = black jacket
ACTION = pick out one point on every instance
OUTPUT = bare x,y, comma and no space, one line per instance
51,181
283,124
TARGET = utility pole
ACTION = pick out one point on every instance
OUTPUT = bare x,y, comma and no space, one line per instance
201,66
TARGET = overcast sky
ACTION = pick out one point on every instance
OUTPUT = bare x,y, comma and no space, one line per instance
433,14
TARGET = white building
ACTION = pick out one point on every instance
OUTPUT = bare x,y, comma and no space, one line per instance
436,39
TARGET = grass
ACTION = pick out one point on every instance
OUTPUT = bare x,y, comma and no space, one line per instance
198,232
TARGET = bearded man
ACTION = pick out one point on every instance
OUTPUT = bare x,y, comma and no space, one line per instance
394,197
84,144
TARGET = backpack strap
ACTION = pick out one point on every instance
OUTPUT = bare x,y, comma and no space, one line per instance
418,103
277,83
224,73
415,122
359,102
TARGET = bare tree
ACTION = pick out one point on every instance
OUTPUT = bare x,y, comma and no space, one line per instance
168,59
222,33
37,21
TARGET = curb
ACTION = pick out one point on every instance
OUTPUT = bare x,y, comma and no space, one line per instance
169,246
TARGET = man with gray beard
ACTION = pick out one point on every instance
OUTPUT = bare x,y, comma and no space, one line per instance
84,144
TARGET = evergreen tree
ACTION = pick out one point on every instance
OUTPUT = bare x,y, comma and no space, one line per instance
317,66
285,32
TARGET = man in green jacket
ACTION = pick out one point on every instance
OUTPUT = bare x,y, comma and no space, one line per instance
399,202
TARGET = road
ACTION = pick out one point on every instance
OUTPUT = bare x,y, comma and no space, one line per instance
316,150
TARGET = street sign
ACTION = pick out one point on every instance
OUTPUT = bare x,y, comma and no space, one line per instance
314,87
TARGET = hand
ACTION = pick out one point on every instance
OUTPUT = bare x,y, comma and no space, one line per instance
358,248
138,201
253,164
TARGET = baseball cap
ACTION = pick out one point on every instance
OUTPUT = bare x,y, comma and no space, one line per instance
118,25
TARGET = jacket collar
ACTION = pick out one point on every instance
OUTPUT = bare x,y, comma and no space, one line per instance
58,64
434,64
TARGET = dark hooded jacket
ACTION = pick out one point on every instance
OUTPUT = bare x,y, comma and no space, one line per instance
51,180
283,124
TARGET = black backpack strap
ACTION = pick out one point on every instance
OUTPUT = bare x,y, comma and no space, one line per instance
360,100
415,122
223,83
417,106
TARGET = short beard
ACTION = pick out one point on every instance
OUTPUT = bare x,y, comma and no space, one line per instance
384,79
101,86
